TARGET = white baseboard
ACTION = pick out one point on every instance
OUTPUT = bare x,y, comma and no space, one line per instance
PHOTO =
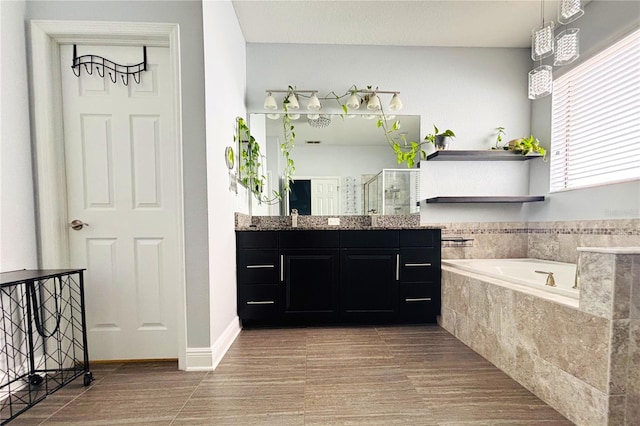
222,343
207,359
199,359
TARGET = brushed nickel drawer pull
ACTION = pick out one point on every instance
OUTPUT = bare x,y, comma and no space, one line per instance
397,267
260,266
409,265
261,302
282,268
418,299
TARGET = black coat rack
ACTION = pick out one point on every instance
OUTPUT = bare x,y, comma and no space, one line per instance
100,63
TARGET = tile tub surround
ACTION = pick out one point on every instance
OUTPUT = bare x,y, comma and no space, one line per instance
541,342
539,240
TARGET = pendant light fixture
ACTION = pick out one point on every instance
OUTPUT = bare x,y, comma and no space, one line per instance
567,47
542,46
569,11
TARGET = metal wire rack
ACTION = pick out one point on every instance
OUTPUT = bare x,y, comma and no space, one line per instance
43,341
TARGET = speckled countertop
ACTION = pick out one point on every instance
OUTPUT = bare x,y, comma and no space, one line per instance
245,222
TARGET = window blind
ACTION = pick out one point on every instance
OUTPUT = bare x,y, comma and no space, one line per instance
595,124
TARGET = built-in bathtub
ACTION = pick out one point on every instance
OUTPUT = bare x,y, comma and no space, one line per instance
575,349
527,272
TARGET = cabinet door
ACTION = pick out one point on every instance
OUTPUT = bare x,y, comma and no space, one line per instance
369,284
310,284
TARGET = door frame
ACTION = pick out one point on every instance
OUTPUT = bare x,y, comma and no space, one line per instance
48,136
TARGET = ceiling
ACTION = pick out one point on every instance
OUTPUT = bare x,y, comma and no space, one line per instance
456,23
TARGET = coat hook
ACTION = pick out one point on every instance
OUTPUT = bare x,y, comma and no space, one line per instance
77,74
114,78
137,80
98,67
86,68
126,82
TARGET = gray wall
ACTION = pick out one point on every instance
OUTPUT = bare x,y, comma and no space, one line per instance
17,212
188,14
469,90
603,23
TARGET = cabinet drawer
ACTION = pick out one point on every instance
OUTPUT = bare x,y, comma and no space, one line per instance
257,239
258,267
419,264
259,302
419,300
309,239
368,239
420,238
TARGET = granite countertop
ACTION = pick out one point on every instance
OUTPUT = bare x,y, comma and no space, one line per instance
321,223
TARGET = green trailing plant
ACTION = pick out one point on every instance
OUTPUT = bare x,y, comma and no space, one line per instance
524,146
250,166
409,152
285,148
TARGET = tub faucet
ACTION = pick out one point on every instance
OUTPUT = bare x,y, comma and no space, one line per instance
551,282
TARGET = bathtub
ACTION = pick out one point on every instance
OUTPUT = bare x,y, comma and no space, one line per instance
522,272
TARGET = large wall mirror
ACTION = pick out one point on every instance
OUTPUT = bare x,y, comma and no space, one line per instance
339,166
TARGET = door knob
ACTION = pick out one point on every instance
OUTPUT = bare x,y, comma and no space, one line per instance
77,224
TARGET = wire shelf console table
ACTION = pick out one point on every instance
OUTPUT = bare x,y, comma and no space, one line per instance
43,338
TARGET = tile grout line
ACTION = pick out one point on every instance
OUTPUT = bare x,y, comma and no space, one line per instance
189,397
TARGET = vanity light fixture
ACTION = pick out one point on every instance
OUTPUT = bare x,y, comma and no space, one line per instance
396,103
356,98
292,101
353,102
270,102
314,103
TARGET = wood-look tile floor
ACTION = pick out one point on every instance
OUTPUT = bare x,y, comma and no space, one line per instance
391,375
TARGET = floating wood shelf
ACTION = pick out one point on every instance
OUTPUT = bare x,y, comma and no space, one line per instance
485,155
483,199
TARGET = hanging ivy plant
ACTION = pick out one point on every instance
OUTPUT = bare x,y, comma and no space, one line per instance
251,169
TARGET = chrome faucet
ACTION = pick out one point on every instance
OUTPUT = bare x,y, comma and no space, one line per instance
551,282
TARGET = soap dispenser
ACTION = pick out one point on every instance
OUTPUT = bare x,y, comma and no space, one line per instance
294,218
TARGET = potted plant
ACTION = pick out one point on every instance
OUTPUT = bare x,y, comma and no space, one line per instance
440,140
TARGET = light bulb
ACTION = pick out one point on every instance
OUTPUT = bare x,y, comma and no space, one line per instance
294,116
374,102
396,103
313,116
270,102
273,116
314,103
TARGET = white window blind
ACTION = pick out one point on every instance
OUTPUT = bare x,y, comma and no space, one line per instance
595,129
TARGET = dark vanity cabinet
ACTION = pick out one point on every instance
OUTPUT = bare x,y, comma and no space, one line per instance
327,276
309,275
369,275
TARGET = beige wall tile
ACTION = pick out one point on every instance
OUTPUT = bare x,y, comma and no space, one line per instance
596,283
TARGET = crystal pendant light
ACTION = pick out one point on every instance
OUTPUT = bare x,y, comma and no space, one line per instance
567,47
569,11
542,41
540,82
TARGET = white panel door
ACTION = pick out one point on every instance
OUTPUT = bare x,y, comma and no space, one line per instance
324,196
122,180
